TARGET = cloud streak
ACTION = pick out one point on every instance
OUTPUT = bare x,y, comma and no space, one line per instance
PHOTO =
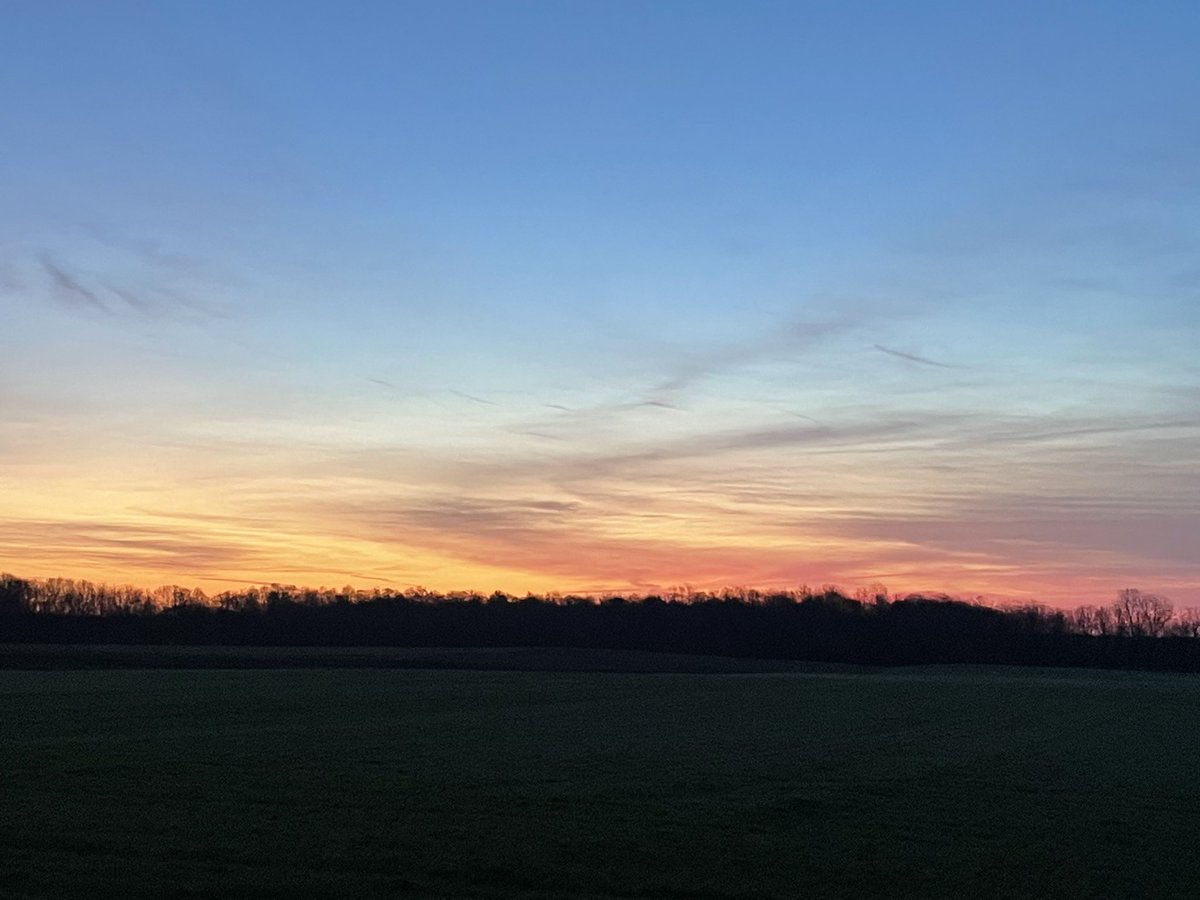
912,357
81,292
137,547
783,343
67,289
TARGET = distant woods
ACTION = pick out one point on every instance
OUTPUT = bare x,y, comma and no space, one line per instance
1139,630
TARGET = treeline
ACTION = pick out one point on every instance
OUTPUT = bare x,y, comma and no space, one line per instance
1139,630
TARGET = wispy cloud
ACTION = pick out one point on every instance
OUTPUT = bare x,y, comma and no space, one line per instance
687,368
151,252
115,544
912,357
556,542
152,293
471,397
69,291
672,377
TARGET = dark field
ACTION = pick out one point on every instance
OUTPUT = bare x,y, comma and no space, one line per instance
514,659
970,783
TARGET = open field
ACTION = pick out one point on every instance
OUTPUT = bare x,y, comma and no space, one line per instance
511,659
324,782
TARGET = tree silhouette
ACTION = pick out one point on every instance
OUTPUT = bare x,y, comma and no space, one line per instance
1138,630
1141,615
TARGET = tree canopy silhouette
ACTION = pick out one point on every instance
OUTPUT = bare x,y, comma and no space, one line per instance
1138,630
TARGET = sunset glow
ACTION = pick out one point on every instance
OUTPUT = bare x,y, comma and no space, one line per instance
602,297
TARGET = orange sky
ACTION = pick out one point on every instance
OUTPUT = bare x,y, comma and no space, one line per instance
709,512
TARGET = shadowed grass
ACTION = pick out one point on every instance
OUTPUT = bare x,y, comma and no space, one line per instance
932,783
518,659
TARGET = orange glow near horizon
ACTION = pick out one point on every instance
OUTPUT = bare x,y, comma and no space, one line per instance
743,517
204,543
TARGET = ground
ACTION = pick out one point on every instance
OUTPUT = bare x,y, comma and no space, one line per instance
371,782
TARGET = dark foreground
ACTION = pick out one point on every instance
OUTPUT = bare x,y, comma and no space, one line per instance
313,782
505,659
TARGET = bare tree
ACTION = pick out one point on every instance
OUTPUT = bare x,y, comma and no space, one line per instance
1141,615
1094,620
1186,623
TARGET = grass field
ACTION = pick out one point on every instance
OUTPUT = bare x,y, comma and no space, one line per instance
367,782
514,659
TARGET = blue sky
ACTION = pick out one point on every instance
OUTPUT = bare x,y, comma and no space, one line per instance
590,295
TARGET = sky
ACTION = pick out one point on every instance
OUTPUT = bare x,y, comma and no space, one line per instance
603,296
